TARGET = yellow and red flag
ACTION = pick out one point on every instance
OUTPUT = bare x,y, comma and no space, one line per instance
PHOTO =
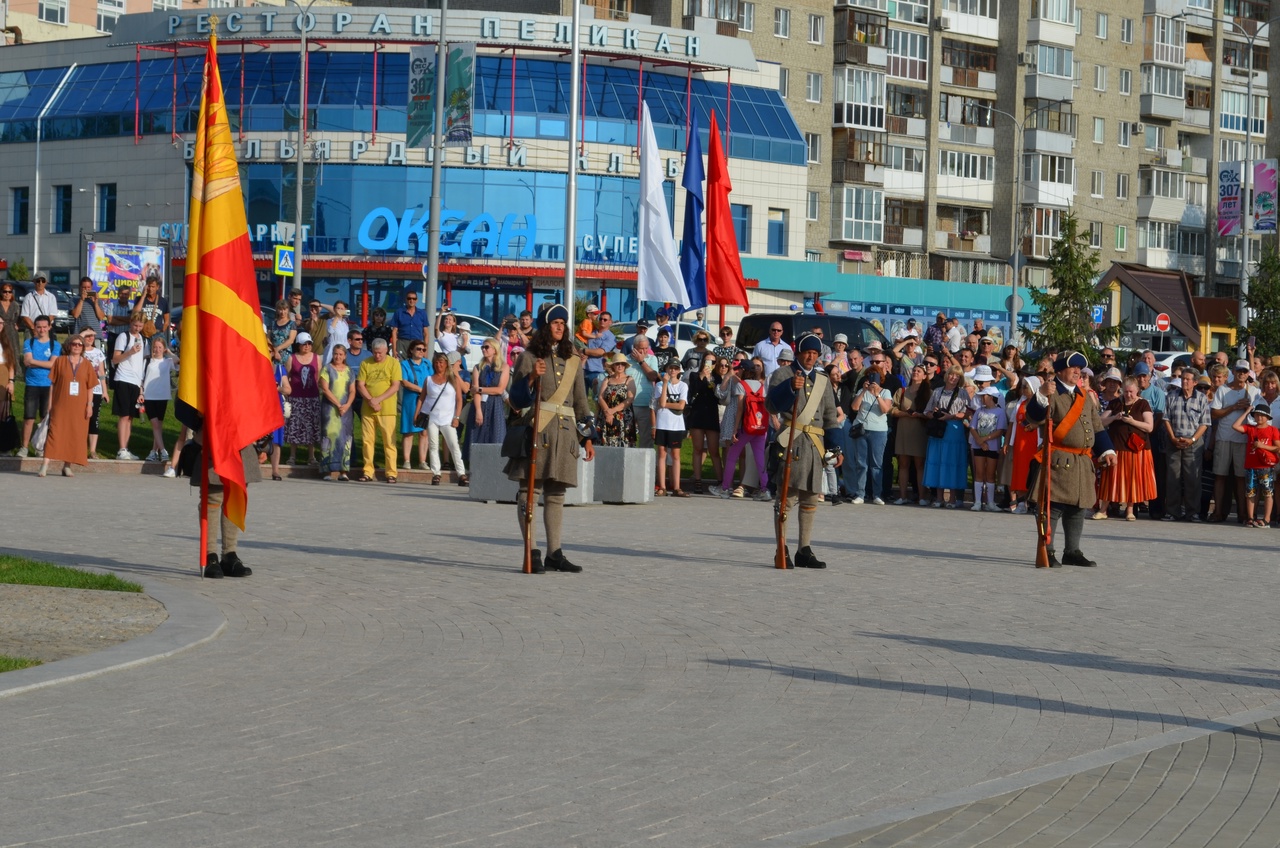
226,373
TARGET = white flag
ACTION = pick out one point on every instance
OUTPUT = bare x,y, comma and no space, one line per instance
658,277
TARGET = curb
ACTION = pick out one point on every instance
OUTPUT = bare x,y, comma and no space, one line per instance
192,621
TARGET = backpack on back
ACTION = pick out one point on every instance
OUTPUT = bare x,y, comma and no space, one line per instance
755,418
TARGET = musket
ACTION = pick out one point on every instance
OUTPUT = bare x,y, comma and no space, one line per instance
1044,526
780,554
533,477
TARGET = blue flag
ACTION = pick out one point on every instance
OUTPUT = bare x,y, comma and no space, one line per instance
693,251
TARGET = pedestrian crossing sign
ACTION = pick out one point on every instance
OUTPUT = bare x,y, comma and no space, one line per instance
284,260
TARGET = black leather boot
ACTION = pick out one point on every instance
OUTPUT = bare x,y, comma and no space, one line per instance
556,562
212,570
805,558
233,567
1078,558
535,562
1053,559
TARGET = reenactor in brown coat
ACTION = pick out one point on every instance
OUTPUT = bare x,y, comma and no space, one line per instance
1078,439
549,362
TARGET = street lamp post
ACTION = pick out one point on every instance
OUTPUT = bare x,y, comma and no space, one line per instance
305,23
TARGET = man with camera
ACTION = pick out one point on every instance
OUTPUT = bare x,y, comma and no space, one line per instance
806,389
87,314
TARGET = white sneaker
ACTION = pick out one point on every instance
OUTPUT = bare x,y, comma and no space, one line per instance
164,455
740,492
169,472
976,508
123,454
901,502
723,494
878,502
153,457
858,500
991,507
924,502
22,452
1022,509
762,495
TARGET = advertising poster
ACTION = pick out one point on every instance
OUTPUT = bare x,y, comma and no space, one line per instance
111,265
459,81
1264,196
1229,204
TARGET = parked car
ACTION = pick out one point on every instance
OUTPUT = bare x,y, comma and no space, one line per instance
684,331
755,328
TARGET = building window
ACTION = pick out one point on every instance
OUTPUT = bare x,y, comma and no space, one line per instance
105,220
1048,226
813,256
1126,81
1099,130
61,209
1055,61
811,206
165,5
968,55
1166,82
908,55
904,213
1165,39
1099,77
813,87
813,146
1126,30
1234,110
1047,168
53,11
907,102
1103,20
1191,242
909,159
980,8
20,211
1095,235
1157,235
784,82
1096,182
1079,21
782,23
817,29
1155,182
1122,238
741,214
109,11
746,16
970,166
777,232
1122,186
863,214
1126,133
860,98
1061,11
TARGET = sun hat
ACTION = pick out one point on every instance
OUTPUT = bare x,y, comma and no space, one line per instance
785,355
982,373
1112,373
592,309
841,338
1243,365
618,359
990,391
1141,370
303,338
1262,408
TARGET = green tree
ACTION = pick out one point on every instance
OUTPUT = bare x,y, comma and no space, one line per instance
18,271
1066,309
1263,301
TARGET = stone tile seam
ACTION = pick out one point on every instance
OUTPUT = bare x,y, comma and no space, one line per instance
192,621
989,789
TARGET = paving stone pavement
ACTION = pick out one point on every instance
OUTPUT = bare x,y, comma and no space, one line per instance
386,677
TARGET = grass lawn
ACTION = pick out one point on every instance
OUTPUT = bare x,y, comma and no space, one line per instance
30,572
15,663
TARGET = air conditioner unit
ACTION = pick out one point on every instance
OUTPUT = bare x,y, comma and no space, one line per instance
1139,127
943,23
1027,59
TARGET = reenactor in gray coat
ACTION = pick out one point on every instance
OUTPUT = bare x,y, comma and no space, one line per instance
1078,439
817,432
550,361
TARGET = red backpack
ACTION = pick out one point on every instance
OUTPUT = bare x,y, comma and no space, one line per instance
755,419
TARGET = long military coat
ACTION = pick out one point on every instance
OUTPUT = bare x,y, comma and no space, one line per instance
558,448
806,468
1073,478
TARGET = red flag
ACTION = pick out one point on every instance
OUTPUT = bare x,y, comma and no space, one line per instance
226,363
725,284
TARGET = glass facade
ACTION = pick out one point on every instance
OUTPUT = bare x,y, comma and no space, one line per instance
261,95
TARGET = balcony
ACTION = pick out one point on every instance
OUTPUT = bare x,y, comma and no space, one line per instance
904,236
1193,265
1045,193
1051,32
979,26
1047,141
1200,69
899,125
1197,165
1045,87
863,116
1161,208
904,184
967,77
1155,257
965,189
1160,106
850,171
1239,75
853,53
967,134
962,242
1197,118
1193,218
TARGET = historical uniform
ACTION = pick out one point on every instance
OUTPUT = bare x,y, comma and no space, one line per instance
816,432
556,433
1078,438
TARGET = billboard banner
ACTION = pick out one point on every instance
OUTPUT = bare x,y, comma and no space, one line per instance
459,82
113,265
1264,196
1229,203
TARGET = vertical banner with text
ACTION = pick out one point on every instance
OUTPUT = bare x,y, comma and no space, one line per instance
1229,203
1264,196
460,74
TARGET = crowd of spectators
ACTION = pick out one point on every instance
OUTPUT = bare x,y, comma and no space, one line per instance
942,408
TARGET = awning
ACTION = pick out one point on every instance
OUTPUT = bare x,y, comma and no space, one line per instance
1166,291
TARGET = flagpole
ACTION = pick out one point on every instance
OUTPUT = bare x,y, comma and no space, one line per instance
432,292
571,186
